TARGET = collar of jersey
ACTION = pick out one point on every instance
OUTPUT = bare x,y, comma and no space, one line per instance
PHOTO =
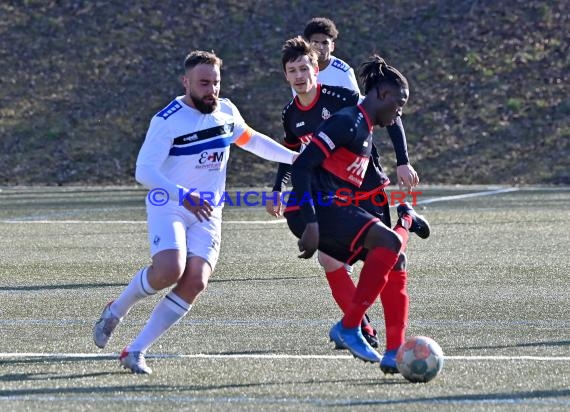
312,104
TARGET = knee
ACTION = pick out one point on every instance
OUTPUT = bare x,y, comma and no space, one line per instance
401,263
168,273
381,236
196,285
328,263
392,241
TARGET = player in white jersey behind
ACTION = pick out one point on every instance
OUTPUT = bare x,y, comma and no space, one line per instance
185,153
321,33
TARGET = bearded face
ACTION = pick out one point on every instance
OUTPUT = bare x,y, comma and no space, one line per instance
204,104
202,84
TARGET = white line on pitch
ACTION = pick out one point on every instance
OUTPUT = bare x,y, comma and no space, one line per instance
467,195
499,357
131,222
260,222
71,222
19,355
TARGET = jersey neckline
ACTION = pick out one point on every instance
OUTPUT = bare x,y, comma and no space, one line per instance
312,104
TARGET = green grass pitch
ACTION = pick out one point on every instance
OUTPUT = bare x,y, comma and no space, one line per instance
490,285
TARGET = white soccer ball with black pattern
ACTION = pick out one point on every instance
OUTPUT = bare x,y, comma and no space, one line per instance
419,359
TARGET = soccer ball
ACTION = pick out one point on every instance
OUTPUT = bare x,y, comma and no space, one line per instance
419,359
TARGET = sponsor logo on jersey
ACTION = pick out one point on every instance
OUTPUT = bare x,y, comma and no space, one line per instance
325,114
169,110
211,160
197,141
357,169
300,124
327,140
190,138
347,165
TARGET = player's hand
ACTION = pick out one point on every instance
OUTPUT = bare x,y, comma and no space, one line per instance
407,177
309,242
200,207
274,209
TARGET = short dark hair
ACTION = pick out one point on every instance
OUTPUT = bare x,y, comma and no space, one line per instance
376,71
297,47
201,57
320,25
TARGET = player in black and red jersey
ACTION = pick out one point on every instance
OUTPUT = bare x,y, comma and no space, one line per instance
337,159
314,103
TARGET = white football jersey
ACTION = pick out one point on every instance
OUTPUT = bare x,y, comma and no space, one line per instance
338,73
190,149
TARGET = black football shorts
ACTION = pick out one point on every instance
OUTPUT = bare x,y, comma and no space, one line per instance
342,229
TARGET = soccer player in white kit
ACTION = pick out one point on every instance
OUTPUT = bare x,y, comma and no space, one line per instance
321,33
185,153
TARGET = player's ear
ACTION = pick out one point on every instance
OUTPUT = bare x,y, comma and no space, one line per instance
185,81
332,46
383,92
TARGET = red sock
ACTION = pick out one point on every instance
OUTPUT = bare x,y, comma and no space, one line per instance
379,261
395,302
403,231
342,287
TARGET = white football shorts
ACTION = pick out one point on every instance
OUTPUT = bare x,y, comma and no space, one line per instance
171,226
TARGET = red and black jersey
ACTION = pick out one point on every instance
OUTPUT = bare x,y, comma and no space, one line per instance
299,122
337,158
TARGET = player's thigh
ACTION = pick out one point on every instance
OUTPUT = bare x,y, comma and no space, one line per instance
342,230
166,227
203,239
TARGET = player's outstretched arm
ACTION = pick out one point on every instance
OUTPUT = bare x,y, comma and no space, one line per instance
265,147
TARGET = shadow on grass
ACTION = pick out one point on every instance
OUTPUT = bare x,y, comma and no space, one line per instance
28,288
55,359
163,390
20,377
145,393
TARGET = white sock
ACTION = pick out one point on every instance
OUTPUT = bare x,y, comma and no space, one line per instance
136,290
167,313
